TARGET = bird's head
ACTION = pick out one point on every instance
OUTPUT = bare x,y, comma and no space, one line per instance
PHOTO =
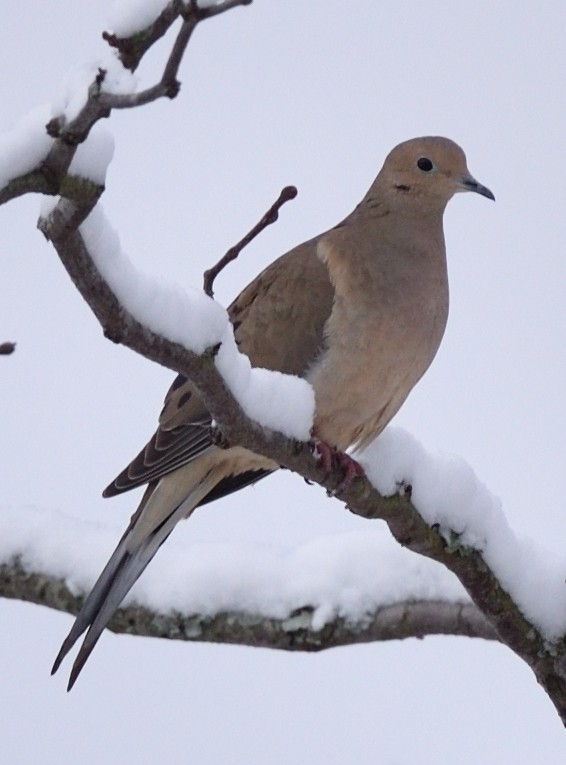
429,170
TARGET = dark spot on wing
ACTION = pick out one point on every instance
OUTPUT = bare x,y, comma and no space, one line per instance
183,399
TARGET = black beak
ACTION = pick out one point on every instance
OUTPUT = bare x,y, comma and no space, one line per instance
470,184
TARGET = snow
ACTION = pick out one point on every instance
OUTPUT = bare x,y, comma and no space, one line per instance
183,316
348,575
25,146
191,318
93,156
446,492
73,92
130,16
277,401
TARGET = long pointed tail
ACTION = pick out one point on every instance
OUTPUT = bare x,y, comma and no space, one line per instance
135,550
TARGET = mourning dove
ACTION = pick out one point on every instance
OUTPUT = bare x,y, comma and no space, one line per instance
358,311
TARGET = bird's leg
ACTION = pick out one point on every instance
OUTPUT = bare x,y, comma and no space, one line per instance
351,469
333,460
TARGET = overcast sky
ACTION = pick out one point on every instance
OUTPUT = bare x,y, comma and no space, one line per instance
315,94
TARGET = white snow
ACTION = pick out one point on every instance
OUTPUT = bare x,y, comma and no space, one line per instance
25,146
190,317
348,575
446,492
127,17
277,401
183,316
73,91
130,16
93,156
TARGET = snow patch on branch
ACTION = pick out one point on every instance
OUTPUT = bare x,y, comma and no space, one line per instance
74,90
446,492
277,401
93,156
191,318
25,146
130,16
185,316
342,575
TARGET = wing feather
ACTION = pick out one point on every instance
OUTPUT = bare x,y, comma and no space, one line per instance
277,333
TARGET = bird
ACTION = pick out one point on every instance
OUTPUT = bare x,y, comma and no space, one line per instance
358,311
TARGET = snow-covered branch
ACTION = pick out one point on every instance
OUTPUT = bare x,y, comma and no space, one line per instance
334,590
37,155
293,632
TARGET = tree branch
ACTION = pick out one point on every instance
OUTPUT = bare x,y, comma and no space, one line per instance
132,49
50,177
294,632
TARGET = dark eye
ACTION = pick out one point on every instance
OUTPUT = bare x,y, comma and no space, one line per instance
424,164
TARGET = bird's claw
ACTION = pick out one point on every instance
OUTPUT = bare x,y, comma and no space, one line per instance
333,460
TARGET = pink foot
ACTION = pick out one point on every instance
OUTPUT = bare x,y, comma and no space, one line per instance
332,460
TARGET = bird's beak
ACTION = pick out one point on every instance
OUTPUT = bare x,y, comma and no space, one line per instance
467,183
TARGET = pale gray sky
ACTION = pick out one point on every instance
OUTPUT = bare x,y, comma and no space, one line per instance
313,94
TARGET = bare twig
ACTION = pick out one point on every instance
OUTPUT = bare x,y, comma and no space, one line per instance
288,193
7,348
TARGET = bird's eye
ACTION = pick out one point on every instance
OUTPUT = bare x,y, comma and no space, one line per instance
424,164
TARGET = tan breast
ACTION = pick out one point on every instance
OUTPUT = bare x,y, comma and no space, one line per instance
385,328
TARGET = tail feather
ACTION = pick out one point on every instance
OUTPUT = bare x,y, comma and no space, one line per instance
94,601
128,561
130,569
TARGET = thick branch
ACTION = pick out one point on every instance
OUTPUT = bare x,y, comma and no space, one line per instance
293,632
